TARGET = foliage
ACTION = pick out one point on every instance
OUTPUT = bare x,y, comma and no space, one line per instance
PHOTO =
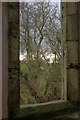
25,96
52,77
40,39
40,28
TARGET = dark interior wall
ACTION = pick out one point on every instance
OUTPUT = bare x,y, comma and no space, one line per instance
13,58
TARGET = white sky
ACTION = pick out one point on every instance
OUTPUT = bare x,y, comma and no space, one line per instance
41,0
50,56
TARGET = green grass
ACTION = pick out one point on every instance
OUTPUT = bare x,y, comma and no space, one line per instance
38,78
25,95
56,71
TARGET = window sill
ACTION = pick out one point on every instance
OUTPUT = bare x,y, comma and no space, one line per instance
49,111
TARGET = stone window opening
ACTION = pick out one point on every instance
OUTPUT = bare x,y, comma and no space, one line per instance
40,52
10,85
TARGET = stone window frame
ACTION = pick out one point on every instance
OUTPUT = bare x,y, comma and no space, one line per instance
55,106
37,111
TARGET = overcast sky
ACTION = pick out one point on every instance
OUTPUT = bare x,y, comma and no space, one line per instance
51,56
41,0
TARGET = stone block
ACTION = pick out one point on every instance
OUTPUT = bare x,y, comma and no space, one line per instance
69,8
72,52
73,85
72,27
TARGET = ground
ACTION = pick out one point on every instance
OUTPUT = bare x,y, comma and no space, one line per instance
39,85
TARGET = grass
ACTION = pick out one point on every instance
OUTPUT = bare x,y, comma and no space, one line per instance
26,97
39,78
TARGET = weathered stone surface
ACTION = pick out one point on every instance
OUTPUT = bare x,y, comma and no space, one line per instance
69,8
72,52
3,57
49,111
72,27
70,40
64,27
65,71
71,75
73,84
13,61
72,8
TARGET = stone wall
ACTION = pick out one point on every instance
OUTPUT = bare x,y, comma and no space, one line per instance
71,76
70,40
13,57
3,61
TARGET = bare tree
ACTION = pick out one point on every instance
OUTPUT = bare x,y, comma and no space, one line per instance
40,37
